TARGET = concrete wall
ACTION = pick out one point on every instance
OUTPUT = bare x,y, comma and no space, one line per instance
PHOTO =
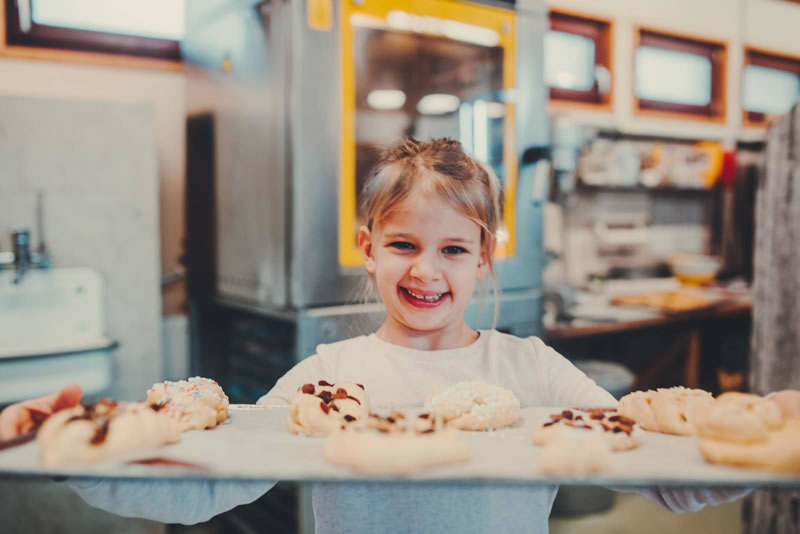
162,91
95,163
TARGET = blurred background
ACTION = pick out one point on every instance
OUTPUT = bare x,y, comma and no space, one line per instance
179,184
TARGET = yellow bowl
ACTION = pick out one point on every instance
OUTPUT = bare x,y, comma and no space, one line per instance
695,270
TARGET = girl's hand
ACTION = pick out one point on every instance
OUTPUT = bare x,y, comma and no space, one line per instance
27,415
789,401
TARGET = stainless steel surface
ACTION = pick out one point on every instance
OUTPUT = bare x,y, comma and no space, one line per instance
238,74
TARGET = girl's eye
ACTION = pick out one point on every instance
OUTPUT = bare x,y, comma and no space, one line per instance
452,249
402,245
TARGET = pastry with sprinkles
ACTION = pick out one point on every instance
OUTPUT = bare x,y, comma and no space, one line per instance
101,431
197,403
321,408
474,406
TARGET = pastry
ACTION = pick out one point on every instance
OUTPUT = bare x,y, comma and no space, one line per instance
196,403
575,453
474,406
668,410
748,431
317,410
100,431
621,432
396,449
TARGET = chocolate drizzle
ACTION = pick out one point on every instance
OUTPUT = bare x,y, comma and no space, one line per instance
100,431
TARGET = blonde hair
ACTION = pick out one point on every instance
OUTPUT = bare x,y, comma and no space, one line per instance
441,167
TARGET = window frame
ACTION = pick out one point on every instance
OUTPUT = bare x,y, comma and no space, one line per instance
717,54
600,31
772,60
69,40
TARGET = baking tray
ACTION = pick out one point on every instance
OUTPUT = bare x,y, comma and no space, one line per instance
254,444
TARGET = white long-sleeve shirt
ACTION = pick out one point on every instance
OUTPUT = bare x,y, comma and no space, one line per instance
396,376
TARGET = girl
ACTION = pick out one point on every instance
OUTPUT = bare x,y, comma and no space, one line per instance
432,213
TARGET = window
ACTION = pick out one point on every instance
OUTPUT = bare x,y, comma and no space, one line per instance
770,85
679,75
577,59
147,28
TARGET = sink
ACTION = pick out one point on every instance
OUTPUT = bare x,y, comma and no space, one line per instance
52,332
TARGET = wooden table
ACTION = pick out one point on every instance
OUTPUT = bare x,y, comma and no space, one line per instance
687,345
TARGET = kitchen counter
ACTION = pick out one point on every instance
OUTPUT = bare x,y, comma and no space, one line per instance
677,336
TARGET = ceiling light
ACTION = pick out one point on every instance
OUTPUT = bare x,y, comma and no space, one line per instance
386,99
437,104
495,110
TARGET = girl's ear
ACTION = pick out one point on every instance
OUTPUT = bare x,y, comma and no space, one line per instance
483,260
365,244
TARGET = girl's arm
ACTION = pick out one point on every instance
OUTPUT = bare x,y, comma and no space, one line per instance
191,501
169,501
570,387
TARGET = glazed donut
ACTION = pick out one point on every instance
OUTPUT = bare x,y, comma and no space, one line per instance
319,409
474,406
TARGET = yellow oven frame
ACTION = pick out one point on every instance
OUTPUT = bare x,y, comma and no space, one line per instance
502,21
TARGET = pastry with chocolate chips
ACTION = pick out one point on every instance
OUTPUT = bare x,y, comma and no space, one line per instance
622,433
101,431
321,408
397,444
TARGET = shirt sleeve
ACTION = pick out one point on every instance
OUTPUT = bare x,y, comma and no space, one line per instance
566,384
683,500
168,501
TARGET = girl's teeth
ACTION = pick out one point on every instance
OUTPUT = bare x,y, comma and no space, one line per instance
431,298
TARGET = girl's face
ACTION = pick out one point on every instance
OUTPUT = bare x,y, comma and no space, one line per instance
426,258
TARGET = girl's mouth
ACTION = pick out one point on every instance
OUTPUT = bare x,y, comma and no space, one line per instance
423,301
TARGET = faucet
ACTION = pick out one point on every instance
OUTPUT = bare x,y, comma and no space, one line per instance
22,253
22,259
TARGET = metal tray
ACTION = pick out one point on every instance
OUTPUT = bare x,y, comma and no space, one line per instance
254,444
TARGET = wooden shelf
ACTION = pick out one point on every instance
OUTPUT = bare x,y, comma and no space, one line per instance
641,188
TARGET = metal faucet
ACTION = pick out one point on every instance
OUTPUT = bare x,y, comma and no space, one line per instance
22,253
22,259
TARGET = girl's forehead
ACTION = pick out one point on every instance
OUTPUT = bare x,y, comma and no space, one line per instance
429,215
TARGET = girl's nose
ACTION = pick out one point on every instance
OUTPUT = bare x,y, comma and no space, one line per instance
425,269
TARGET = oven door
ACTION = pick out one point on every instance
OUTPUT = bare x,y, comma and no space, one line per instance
426,69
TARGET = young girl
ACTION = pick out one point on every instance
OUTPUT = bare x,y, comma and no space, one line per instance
432,213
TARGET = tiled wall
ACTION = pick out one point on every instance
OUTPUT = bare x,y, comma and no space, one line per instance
96,164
